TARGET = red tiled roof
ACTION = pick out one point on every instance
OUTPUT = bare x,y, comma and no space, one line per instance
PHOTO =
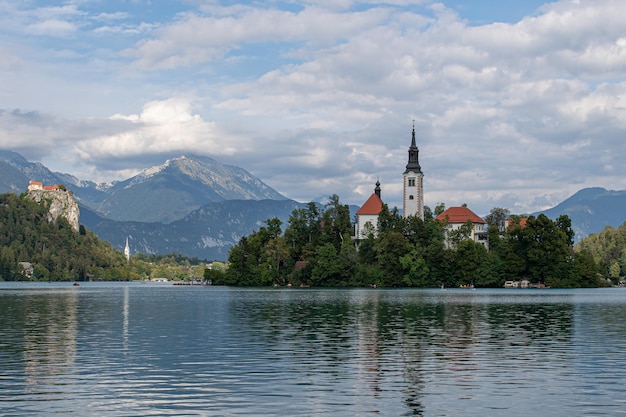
373,205
522,222
459,215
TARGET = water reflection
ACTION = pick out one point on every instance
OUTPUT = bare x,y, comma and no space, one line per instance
125,315
139,350
391,342
39,333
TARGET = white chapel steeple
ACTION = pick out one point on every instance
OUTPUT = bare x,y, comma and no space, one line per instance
127,250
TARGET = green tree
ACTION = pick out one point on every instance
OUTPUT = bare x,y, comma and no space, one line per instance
390,220
512,250
390,247
303,232
547,253
493,273
584,271
347,263
470,260
416,269
564,224
614,271
439,208
276,254
416,231
325,271
243,262
213,276
498,218
336,222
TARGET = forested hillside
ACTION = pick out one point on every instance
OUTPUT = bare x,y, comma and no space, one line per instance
316,249
608,249
54,250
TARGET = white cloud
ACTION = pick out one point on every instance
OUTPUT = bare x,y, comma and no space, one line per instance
163,127
196,39
52,27
319,98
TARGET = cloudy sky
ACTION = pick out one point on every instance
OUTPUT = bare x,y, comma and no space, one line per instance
516,104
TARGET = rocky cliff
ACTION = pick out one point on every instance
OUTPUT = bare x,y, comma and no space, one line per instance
61,203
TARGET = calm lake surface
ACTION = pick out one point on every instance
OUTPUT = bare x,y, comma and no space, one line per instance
129,349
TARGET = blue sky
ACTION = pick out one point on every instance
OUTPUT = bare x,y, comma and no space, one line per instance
517,104
483,12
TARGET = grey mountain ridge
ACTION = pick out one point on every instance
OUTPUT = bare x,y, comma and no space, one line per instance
591,210
172,190
196,206
206,233
162,193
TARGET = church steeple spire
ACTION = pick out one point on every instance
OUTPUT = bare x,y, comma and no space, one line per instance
413,164
377,189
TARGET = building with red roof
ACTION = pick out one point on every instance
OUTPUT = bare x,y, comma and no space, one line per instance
455,217
368,213
35,185
521,222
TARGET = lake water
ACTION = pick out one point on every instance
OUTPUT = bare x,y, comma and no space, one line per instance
129,349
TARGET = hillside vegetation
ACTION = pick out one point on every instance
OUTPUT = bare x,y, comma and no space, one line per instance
608,249
54,249
32,248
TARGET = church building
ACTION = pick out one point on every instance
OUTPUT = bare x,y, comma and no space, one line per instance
413,196
368,213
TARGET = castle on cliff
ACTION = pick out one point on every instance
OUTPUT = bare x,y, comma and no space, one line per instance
37,185
61,202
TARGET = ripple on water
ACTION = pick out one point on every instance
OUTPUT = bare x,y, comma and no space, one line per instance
122,350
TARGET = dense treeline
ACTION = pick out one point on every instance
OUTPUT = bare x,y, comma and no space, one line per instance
55,251
316,249
608,249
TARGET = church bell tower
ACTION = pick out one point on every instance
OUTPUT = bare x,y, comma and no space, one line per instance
413,200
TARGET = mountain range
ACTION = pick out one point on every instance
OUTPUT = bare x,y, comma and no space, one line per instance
591,210
198,207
